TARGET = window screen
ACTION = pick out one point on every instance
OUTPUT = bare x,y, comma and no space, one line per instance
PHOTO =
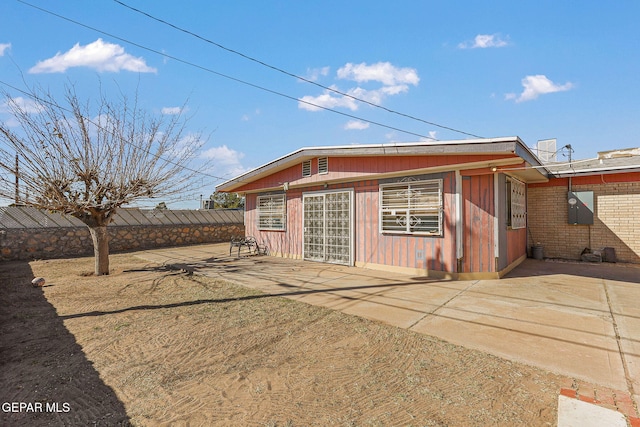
516,203
272,212
412,208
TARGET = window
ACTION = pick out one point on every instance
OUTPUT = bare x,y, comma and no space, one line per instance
323,165
306,168
272,212
516,204
412,207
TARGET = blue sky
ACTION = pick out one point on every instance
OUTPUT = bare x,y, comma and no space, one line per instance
535,69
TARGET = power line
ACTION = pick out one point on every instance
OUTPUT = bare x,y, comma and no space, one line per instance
54,104
209,70
280,70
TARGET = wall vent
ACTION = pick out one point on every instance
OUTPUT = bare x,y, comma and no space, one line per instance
323,165
306,168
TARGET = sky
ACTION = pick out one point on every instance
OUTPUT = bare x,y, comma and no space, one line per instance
264,78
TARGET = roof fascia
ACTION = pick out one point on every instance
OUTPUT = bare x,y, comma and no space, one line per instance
458,147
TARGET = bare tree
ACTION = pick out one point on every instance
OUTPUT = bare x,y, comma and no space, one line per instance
87,160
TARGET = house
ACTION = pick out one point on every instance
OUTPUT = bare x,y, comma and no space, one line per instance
447,209
588,204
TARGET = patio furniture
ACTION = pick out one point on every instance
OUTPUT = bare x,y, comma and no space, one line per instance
250,243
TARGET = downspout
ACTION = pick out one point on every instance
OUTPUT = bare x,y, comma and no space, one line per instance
459,226
496,222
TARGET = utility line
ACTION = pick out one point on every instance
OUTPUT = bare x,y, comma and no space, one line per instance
56,105
280,70
244,82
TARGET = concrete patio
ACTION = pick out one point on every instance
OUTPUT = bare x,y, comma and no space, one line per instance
578,320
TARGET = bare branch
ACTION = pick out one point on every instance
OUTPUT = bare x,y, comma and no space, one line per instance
88,160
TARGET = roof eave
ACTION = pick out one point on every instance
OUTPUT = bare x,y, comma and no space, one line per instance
503,145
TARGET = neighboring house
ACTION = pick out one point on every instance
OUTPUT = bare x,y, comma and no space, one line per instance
444,209
589,204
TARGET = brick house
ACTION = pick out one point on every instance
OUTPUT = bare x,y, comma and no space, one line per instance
446,209
607,189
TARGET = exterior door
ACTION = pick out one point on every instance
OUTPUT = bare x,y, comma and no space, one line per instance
328,227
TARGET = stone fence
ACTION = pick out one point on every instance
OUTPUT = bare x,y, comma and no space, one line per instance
28,233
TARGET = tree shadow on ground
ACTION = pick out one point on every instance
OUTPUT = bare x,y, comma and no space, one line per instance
42,366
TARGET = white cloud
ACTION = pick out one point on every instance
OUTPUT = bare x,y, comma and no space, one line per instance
383,72
431,137
99,55
537,85
483,41
248,117
4,47
327,100
314,74
172,111
29,106
226,161
356,125
394,81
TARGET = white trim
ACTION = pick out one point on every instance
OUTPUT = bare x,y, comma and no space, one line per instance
408,213
325,169
273,214
306,168
507,145
518,199
351,193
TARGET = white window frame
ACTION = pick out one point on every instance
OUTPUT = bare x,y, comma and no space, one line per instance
517,199
306,168
405,206
272,212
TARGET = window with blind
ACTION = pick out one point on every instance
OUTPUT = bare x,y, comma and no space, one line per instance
412,207
272,212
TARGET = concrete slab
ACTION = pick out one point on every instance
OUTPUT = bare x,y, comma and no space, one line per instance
576,413
536,324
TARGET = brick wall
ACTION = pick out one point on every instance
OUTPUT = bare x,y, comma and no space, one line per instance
616,218
62,242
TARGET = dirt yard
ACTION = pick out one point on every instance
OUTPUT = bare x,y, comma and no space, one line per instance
148,345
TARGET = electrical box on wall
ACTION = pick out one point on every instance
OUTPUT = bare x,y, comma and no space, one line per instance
581,207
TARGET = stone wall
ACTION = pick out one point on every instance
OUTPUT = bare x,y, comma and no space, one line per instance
62,242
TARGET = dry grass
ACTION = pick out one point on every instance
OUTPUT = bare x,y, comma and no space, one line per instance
148,346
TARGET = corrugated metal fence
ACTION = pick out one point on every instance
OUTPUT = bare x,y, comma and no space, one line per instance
13,217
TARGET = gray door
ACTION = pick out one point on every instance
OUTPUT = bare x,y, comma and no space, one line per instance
327,227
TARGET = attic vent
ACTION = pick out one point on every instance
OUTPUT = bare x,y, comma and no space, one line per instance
306,168
323,165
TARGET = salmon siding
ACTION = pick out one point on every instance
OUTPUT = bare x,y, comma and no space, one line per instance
438,210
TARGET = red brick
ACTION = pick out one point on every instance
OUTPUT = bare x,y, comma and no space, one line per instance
625,405
569,393
634,422
606,396
587,399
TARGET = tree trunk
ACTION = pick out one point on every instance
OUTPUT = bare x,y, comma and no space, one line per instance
100,239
